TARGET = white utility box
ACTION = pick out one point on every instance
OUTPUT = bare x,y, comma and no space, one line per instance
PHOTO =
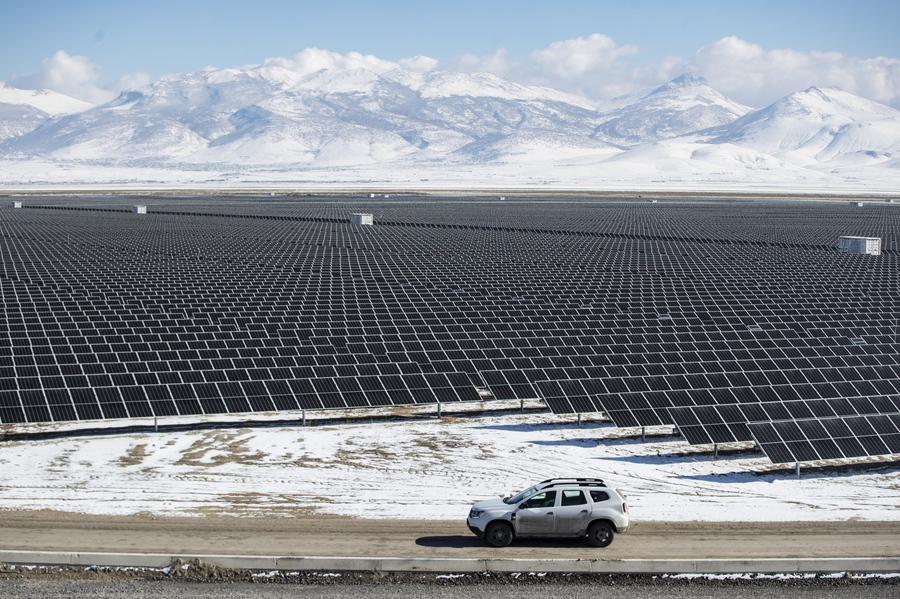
361,219
860,245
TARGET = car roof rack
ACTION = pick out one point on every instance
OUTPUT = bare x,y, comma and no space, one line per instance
552,482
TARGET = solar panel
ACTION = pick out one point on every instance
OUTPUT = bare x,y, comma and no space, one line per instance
210,305
702,425
828,439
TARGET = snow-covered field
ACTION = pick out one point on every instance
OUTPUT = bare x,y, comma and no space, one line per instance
420,467
653,171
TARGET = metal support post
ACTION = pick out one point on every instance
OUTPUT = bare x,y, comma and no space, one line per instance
643,434
303,412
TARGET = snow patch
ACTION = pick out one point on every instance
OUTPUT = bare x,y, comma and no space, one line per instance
421,469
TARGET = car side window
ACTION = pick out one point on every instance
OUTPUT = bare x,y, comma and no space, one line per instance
544,499
573,497
598,496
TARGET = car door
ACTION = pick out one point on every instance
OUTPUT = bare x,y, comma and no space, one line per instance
573,512
537,515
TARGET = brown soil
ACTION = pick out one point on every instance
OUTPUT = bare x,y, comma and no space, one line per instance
336,536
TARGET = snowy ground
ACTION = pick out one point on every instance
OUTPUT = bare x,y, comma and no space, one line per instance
654,169
420,467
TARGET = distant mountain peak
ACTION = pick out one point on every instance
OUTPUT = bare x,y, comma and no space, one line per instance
816,125
50,102
829,103
685,81
682,106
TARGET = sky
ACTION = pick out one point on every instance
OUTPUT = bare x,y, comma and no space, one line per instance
753,52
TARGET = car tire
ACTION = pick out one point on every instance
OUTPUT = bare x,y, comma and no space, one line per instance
600,534
498,534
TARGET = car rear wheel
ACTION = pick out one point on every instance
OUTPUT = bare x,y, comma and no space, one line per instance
498,534
600,534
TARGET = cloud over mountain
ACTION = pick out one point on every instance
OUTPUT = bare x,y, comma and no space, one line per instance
595,66
755,76
76,76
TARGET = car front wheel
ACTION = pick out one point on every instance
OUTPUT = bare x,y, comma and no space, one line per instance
498,534
600,534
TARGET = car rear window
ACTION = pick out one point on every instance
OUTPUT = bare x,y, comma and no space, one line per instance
598,496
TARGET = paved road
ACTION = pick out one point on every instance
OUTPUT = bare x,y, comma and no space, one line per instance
51,589
348,537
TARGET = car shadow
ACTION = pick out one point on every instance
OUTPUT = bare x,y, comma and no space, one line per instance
467,542
450,542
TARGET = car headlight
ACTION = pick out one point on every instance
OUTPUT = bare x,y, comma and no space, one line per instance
476,513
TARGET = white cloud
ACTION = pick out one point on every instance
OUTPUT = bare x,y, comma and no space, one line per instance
497,63
757,77
418,64
594,66
311,60
571,59
129,81
76,76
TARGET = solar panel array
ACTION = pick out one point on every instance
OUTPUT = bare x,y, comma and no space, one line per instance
809,440
675,312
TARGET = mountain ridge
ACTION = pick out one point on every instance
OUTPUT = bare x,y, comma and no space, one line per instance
271,117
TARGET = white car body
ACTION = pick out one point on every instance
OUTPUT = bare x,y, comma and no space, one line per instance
570,507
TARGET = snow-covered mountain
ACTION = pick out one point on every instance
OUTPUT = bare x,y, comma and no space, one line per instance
404,125
168,119
818,126
22,110
49,102
684,105
269,115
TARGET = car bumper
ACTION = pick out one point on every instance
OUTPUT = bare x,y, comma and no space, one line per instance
475,530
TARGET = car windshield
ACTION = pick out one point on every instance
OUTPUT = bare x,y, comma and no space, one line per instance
523,495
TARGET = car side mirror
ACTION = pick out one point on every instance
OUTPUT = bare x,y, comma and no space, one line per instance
524,505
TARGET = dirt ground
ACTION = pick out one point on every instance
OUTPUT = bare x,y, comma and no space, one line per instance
336,536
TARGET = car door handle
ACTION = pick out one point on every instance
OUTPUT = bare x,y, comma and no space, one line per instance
583,511
549,513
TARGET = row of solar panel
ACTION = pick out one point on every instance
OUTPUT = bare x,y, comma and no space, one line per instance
815,440
536,335
508,378
705,419
489,310
284,304
651,408
91,402
632,293
308,342
702,425
519,383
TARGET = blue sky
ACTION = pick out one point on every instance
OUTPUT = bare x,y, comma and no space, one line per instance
123,42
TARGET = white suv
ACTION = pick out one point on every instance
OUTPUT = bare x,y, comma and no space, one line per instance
559,507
